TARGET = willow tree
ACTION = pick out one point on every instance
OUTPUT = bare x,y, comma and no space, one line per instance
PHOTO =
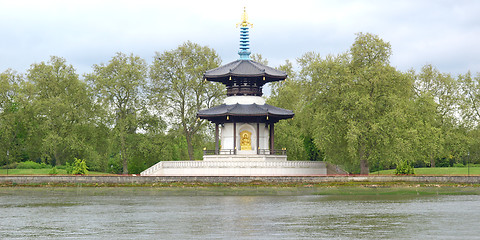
178,89
359,104
295,134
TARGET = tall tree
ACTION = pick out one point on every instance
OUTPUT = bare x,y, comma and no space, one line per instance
294,134
178,88
59,105
10,124
470,89
120,87
470,105
440,92
358,104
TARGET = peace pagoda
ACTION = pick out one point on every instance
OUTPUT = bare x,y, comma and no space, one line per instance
244,126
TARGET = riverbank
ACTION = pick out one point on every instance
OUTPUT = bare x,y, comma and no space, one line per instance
140,180
240,186
245,189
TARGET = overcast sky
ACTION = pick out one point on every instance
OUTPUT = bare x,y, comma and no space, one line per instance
443,33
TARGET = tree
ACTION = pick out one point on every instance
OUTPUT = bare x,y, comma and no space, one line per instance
11,128
59,106
293,134
358,104
470,105
470,89
440,125
120,87
178,88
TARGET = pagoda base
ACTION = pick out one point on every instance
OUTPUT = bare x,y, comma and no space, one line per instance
237,168
245,157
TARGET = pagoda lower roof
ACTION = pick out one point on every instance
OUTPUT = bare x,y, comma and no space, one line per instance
244,69
245,112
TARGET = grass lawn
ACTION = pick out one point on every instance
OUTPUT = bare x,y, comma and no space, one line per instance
438,171
43,171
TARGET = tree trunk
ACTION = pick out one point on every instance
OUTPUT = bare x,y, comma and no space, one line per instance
189,146
364,169
432,162
57,161
123,154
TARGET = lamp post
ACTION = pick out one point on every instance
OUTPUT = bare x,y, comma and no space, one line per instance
8,154
468,163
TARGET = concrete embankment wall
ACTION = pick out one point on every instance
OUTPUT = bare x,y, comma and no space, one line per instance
230,179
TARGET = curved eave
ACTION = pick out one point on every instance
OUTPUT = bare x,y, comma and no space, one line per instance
226,78
245,113
244,69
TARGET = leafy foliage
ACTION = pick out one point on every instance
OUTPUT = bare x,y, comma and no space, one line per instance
353,109
179,90
31,165
404,168
313,152
362,112
79,167
53,171
119,86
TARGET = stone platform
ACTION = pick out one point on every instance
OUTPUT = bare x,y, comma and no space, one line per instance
241,168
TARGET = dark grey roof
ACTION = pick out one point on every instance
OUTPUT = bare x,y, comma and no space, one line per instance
245,68
245,111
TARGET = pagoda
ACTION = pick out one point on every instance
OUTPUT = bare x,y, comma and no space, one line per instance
245,120
244,126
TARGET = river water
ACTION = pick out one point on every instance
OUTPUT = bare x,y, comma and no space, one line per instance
138,214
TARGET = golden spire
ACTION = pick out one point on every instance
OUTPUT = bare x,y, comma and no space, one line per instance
244,22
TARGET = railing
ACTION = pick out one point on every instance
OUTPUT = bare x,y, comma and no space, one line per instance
219,152
282,151
232,152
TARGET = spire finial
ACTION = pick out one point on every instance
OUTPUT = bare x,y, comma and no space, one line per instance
244,51
244,22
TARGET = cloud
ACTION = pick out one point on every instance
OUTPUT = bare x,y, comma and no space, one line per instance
443,33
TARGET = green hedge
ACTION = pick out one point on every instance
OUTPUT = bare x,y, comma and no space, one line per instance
31,165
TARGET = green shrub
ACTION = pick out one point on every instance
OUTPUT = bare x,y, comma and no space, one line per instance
53,171
31,165
69,168
79,167
458,165
115,165
404,168
10,166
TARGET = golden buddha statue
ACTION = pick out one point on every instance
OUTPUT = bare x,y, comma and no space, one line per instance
245,140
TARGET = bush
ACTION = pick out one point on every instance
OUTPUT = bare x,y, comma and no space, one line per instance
115,165
404,168
79,167
68,168
53,171
31,165
458,165
10,166
61,167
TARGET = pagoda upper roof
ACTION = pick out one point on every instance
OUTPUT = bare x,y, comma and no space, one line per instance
244,68
256,112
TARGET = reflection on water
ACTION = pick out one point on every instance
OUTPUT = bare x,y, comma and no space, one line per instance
138,214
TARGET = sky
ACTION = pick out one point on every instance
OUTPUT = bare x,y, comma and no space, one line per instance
443,33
